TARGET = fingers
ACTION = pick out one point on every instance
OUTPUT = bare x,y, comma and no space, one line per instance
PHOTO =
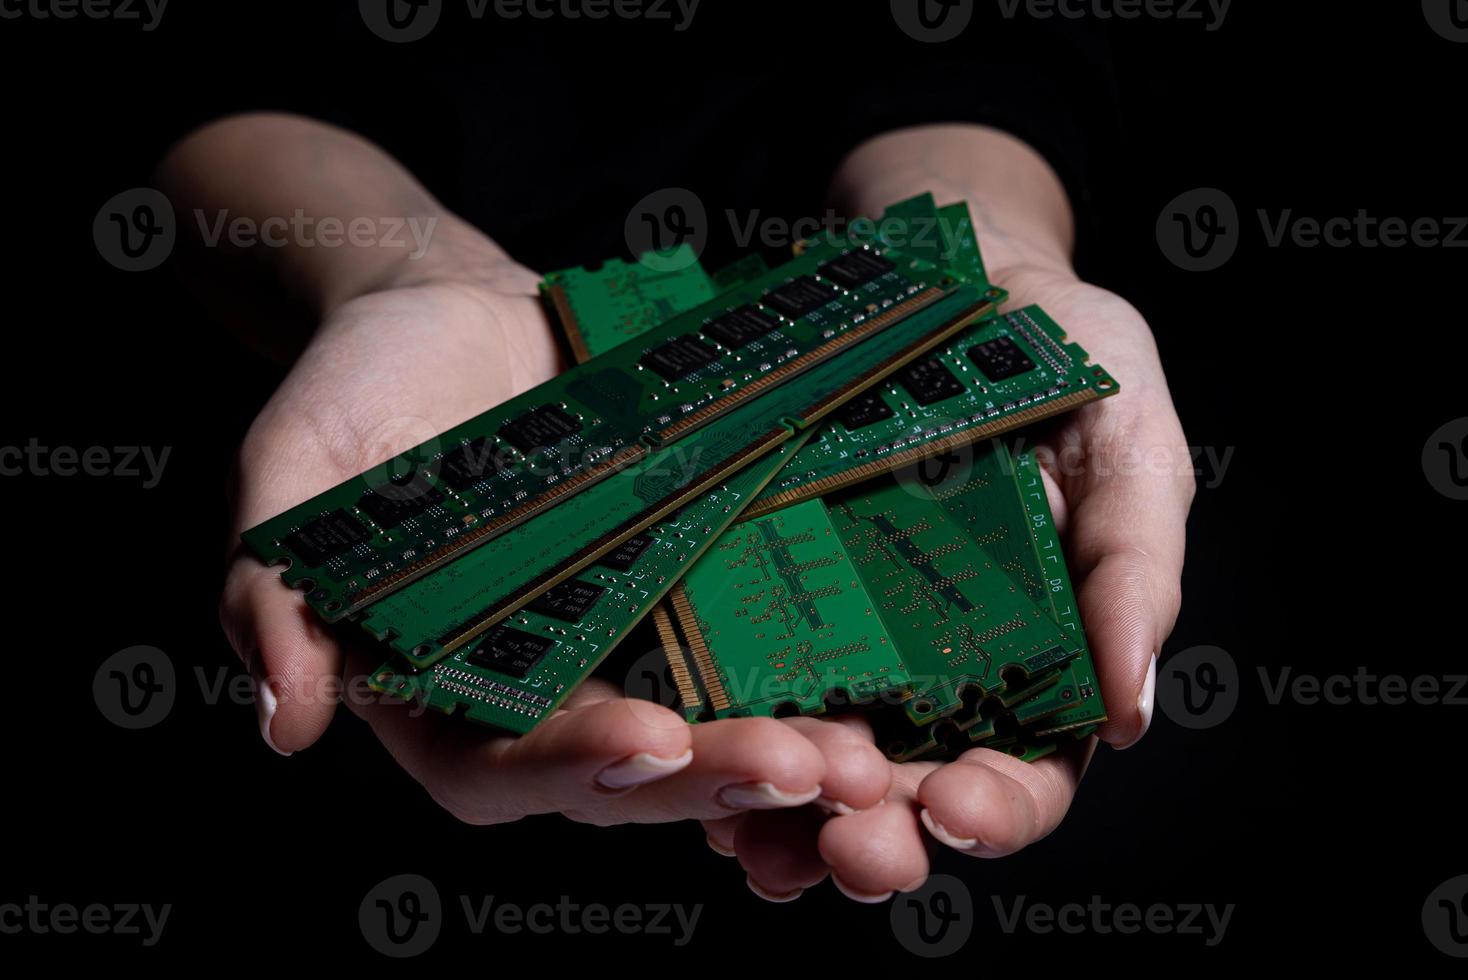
989,804
738,764
857,773
292,656
589,753
879,851
777,849
1127,535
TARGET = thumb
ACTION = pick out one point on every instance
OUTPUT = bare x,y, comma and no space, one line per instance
293,658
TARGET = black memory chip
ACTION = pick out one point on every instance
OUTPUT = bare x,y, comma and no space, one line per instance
568,601
510,651
678,357
399,500
326,537
623,556
929,381
855,268
739,326
471,462
863,410
1000,358
798,297
540,427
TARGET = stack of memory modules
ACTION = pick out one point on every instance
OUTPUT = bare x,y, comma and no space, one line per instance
794,472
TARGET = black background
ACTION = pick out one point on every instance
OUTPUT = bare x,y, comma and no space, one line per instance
1323,548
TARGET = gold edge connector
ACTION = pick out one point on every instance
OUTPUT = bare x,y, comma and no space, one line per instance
704,660
677,662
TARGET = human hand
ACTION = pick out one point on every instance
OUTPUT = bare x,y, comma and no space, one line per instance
1119,480
386,371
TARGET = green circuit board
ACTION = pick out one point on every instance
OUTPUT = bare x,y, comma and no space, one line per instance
778,621
437,614
601,307
998,495
521,670
685,383
882,595
1001,374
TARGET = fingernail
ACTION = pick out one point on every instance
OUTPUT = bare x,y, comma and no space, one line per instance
763,796
720,849
945,836
856,896
914,885
643,767
266,703
1145,702
770,896
835,806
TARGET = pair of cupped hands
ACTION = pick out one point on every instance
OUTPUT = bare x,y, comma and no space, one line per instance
793,800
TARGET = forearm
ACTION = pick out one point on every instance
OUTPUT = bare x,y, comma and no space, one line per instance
1018,205
265,206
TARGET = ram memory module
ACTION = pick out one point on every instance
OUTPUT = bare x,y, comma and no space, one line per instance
1001,504
521,670
440,613
419,511
880,596
1001,374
